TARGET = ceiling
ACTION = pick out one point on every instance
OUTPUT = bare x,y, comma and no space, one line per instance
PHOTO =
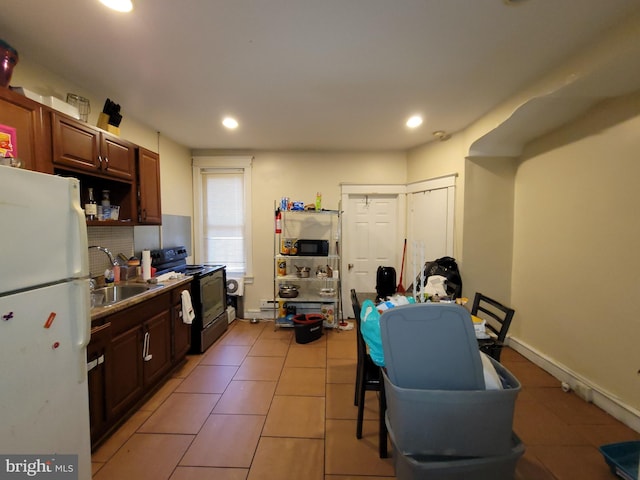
306,74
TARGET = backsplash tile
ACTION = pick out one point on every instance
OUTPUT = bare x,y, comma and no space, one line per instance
115,239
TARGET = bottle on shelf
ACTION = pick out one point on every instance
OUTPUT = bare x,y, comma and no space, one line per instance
106,205
278,221
91,207
318,201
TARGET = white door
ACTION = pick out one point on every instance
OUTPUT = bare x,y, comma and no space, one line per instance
430,217
372,226
428,221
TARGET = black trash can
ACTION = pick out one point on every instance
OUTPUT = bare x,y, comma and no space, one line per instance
385,282
308,327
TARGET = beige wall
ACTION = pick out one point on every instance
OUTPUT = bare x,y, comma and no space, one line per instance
437,159
175,178
488,227
576,260
299,175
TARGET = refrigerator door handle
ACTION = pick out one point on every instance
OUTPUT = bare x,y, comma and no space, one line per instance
82,316
78,245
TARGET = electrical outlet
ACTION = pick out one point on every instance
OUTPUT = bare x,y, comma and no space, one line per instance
583,391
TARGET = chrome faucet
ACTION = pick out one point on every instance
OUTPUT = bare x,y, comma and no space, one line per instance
106,252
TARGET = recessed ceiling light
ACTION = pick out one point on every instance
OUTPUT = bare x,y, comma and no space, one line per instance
118,5
230,123
414,121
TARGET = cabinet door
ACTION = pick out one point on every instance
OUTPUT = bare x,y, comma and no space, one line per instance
26,116
149,211
125,370
157,347
75,145
98,357
181,336
81,147
118,157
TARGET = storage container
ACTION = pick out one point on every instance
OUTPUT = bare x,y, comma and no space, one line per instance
623,458
308,327
441,467
453,422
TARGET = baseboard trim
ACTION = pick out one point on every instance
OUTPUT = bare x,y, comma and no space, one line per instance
582,386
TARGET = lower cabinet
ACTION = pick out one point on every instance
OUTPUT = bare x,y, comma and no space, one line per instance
130,354
125,367
181,330
156,350
98,355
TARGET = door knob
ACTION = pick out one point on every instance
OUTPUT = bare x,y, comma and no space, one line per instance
350,266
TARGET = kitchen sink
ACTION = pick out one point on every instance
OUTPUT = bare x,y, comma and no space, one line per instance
117,293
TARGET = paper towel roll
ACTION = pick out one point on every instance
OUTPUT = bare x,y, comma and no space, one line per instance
146,264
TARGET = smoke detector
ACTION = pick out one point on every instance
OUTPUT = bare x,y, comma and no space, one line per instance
442,135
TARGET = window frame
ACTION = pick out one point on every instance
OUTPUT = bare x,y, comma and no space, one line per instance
201,165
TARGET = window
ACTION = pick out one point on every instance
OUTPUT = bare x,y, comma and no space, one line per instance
222,211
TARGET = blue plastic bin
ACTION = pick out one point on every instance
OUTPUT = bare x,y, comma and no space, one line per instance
445,467
623,458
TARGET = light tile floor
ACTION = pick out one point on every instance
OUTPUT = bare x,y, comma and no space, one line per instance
257,405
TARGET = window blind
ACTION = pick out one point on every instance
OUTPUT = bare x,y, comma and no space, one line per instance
224,218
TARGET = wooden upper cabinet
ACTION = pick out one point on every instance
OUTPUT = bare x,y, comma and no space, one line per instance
27,118
118,157
78,146
149,205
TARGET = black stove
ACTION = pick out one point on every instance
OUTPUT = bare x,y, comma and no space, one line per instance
208,294
174,259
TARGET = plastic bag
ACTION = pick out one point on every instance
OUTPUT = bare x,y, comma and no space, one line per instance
370,329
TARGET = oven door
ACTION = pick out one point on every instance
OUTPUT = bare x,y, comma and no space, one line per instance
213,295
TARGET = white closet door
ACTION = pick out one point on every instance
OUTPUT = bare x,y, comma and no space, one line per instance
430,223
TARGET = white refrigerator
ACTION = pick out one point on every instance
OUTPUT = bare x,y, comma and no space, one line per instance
44,321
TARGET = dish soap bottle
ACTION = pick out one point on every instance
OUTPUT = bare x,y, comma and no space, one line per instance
318,201
91,208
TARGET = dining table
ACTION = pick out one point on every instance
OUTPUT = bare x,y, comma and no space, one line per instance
482,338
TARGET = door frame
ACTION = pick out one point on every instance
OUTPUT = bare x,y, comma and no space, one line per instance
348,190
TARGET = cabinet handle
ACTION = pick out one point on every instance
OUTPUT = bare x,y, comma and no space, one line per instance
100,161
146,356
94,363
106,161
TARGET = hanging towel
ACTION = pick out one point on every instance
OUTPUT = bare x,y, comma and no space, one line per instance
187,309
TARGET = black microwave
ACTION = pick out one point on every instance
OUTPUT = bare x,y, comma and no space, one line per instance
313,248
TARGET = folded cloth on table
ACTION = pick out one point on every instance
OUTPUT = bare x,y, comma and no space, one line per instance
187,308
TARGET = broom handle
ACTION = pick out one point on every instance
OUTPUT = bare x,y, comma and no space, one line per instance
404,251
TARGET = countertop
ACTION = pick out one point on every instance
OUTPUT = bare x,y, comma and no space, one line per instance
157,289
